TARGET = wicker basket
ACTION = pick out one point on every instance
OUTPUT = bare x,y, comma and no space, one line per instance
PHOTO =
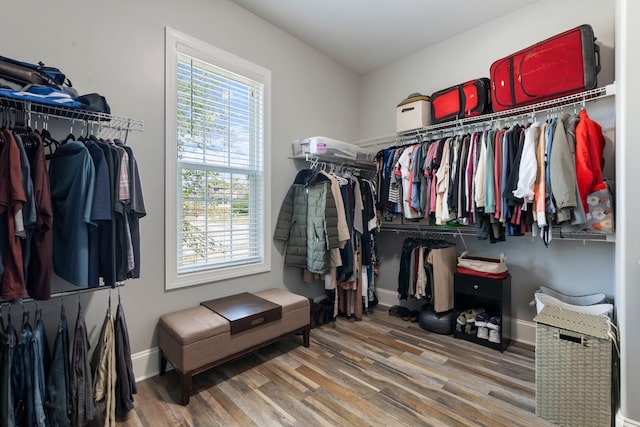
573,368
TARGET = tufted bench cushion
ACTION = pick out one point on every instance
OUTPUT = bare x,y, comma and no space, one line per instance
196,339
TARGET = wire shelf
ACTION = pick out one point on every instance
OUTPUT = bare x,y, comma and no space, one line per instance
61,112
469,230
488,119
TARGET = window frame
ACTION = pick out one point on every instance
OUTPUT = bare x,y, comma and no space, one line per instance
175,42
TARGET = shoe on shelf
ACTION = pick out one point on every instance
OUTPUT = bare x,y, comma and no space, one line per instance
461,322
494,336
482,319
472,313
483,333
494,323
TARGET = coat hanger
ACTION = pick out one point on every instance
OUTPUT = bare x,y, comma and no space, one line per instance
25,315
38,312
71,136
62,313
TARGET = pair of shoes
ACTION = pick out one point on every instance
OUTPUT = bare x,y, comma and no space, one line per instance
483,333
494,336
403,312
472,313
461,322
482,319
411,316
470,329
494,323
393,310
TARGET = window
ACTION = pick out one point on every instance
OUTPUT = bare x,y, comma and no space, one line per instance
217,192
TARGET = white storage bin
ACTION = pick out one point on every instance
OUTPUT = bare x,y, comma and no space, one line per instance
365,156
326,147
413,113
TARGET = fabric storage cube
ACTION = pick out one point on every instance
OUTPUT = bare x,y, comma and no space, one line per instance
574,359
413,113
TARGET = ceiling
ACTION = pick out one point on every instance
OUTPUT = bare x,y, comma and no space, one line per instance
364,35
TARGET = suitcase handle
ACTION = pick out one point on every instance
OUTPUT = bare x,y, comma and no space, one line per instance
596,50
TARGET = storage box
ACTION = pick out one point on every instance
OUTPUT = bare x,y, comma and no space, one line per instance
245,311
413,113
573,368
326,147
365,156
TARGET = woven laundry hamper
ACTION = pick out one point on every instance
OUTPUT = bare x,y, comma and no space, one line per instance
573,368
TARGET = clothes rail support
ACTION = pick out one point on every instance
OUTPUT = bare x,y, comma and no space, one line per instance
62,294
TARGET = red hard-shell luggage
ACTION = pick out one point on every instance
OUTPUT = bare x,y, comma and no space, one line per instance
464,100
562,65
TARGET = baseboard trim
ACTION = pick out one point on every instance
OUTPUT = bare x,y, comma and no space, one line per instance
622,421
146,364
521,330
387,297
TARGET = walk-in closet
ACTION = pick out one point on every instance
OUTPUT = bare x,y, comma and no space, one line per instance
238,212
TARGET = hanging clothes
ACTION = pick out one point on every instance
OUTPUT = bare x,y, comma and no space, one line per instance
58,391
8,338
103,366
22,377
126,381
12,199
426,271
100,209
135,209
40,264
40,359
72,180
307,222
590,143
83,408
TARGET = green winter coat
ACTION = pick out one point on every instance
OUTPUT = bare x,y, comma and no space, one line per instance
307,223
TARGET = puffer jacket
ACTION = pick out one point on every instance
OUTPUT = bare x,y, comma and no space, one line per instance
307,222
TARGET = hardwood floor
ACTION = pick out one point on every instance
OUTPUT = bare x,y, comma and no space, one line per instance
380,371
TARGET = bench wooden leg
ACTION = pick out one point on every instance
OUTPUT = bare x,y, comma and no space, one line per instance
186,388
163,364
305,335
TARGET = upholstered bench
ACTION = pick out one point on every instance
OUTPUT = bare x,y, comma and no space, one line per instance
198,338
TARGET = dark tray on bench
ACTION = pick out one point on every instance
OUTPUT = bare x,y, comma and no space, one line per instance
244,311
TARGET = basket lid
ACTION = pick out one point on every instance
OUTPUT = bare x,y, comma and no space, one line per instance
414,97
584,323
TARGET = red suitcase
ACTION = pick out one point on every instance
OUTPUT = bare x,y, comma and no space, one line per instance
464,100
562,65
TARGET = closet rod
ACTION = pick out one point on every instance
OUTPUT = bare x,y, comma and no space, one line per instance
486,119
70,292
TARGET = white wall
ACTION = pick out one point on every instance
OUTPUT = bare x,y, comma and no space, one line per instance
116,48
467,56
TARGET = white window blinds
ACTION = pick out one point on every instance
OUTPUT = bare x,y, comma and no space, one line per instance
219,166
